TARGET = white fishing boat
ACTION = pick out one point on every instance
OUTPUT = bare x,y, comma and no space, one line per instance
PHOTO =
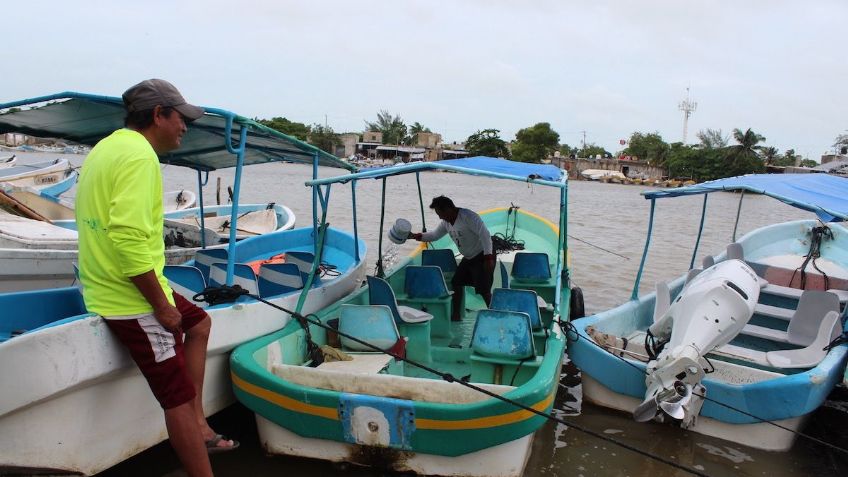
598,174
744,348
179,200
8,161
73,400
55,177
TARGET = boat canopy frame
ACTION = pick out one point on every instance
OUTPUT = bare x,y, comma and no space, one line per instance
219,139
496,168
825,195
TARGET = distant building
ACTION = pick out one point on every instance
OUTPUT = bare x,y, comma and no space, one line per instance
347,147
372,136
428,140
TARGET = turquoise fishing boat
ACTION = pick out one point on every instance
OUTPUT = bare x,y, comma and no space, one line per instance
743,347
384,410
73,400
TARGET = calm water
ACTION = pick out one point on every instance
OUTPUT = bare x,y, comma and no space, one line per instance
601,216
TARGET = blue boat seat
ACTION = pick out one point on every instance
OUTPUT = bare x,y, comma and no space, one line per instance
279,278
425,289
504,275
531,267
373,324
381,293
442,258
243,276
502,348
204,258
525,301
413,324
804,325
185,280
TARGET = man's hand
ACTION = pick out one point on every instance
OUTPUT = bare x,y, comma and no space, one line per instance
169,317
489,263
414,236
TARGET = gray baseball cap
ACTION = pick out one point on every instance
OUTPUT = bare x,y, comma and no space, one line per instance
157,92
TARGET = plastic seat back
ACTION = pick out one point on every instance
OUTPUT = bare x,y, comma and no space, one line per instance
514,299
303,260
503,335
439,257
278,278
812,308
243,276
205,258
531,267
185,279
425,282
504,275
373,324
381,293
735,252
708,262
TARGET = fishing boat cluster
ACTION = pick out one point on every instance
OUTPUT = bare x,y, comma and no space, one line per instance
371,369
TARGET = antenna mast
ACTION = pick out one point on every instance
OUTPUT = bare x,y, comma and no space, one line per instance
688,107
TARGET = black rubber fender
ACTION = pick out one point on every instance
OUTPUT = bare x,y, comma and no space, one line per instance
576,307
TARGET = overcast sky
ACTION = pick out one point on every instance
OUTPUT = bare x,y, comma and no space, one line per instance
604,67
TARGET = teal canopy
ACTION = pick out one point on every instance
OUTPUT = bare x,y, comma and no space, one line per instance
86,119
825,195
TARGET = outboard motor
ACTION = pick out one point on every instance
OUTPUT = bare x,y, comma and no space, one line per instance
709,312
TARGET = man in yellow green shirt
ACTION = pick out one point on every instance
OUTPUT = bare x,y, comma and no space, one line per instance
119,217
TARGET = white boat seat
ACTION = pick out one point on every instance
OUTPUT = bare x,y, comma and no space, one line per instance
789,292
805,322
708,262
807,357
663,300
691,274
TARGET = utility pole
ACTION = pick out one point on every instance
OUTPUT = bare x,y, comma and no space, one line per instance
584,141
688,107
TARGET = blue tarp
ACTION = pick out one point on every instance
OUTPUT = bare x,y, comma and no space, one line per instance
504,166
824,194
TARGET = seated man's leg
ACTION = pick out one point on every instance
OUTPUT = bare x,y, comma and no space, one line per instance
197,324
159,355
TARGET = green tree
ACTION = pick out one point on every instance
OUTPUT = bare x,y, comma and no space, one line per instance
769,154
324,138
808,163
566,151
416,128
648,147
487,143
712,138
592,150
744,158
841,144
298,130
535,143
393,128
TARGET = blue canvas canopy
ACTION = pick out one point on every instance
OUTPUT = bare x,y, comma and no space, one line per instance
823,194
208,144
478,165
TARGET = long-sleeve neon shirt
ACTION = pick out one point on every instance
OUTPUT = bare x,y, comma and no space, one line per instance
119,219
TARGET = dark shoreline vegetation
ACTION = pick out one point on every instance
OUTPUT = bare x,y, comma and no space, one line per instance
713,157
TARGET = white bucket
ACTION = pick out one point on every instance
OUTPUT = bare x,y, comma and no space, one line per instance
400,231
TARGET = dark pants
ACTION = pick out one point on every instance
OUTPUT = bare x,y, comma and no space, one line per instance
471,272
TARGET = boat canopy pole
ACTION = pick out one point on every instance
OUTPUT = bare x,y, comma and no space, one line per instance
200,184
700,230
738,212
380,272
635,294
355,231
231,250
421,201
319,250
315,202
562,251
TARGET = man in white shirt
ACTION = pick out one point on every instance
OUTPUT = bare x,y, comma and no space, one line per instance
474,242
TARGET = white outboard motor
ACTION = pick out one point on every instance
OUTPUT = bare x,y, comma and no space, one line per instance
709,312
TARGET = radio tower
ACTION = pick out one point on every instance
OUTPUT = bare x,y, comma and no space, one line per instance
688,107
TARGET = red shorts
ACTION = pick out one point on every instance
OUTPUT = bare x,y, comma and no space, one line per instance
159,353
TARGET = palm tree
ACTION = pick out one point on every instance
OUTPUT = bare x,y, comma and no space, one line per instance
744,157
413,132
392,127
769,154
